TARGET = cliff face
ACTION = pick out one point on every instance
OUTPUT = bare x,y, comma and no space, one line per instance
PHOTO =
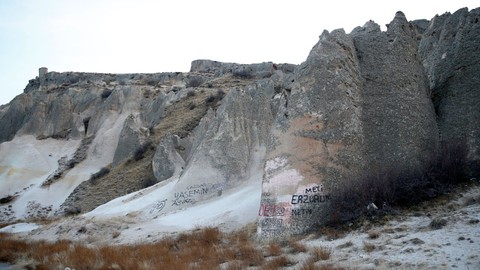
449,51
361,104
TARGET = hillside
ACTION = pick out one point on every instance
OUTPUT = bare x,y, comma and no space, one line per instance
371,120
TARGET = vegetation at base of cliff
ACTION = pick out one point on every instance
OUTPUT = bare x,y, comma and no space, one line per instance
380,193
207,248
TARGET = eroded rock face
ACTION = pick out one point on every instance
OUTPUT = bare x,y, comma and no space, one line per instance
450,50
166,162
228,143
316,136
132,136
398,118
359,105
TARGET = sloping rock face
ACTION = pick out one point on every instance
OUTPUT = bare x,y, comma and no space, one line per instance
359,105
450,52
398,118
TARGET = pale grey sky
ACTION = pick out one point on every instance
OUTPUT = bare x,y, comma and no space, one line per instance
119,36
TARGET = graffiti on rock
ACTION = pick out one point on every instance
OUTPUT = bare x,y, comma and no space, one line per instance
314,194
302,212
158,206
272,209
189,194
271,223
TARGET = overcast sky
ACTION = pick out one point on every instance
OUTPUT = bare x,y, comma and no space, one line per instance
119,36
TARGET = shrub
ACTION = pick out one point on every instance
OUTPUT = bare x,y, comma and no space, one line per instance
438,223
192,105
210,99
274,249
195,82
297,247
349,199
70,211
106,93
373,234
191,93
7,199
320,253
220,93
141,150
152,82
368,247
101,173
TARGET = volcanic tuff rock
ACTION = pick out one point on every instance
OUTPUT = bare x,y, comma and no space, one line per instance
449,50
362,103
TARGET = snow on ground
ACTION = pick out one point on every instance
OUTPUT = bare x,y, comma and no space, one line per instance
25,163
415,240
131,217
148,214
19,227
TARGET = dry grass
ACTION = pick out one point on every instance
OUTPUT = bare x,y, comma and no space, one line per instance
206,248
312,266
373,234
277,263
331,233
297,247
345,245
320,253
274,249
368,247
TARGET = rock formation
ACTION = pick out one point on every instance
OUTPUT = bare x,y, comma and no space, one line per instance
449,51
362,103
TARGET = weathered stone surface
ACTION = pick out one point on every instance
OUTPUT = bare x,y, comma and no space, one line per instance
226,140
132,136
13,116
258,71
359,105
166,161
316,137
450,50
398,118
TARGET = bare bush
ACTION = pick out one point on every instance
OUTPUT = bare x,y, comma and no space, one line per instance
320,253
101,173
393,188
195,82
141,150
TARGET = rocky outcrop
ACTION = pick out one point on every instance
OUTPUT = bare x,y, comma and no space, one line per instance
246,71
359,105
132,136
450,52
166,161
398,119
